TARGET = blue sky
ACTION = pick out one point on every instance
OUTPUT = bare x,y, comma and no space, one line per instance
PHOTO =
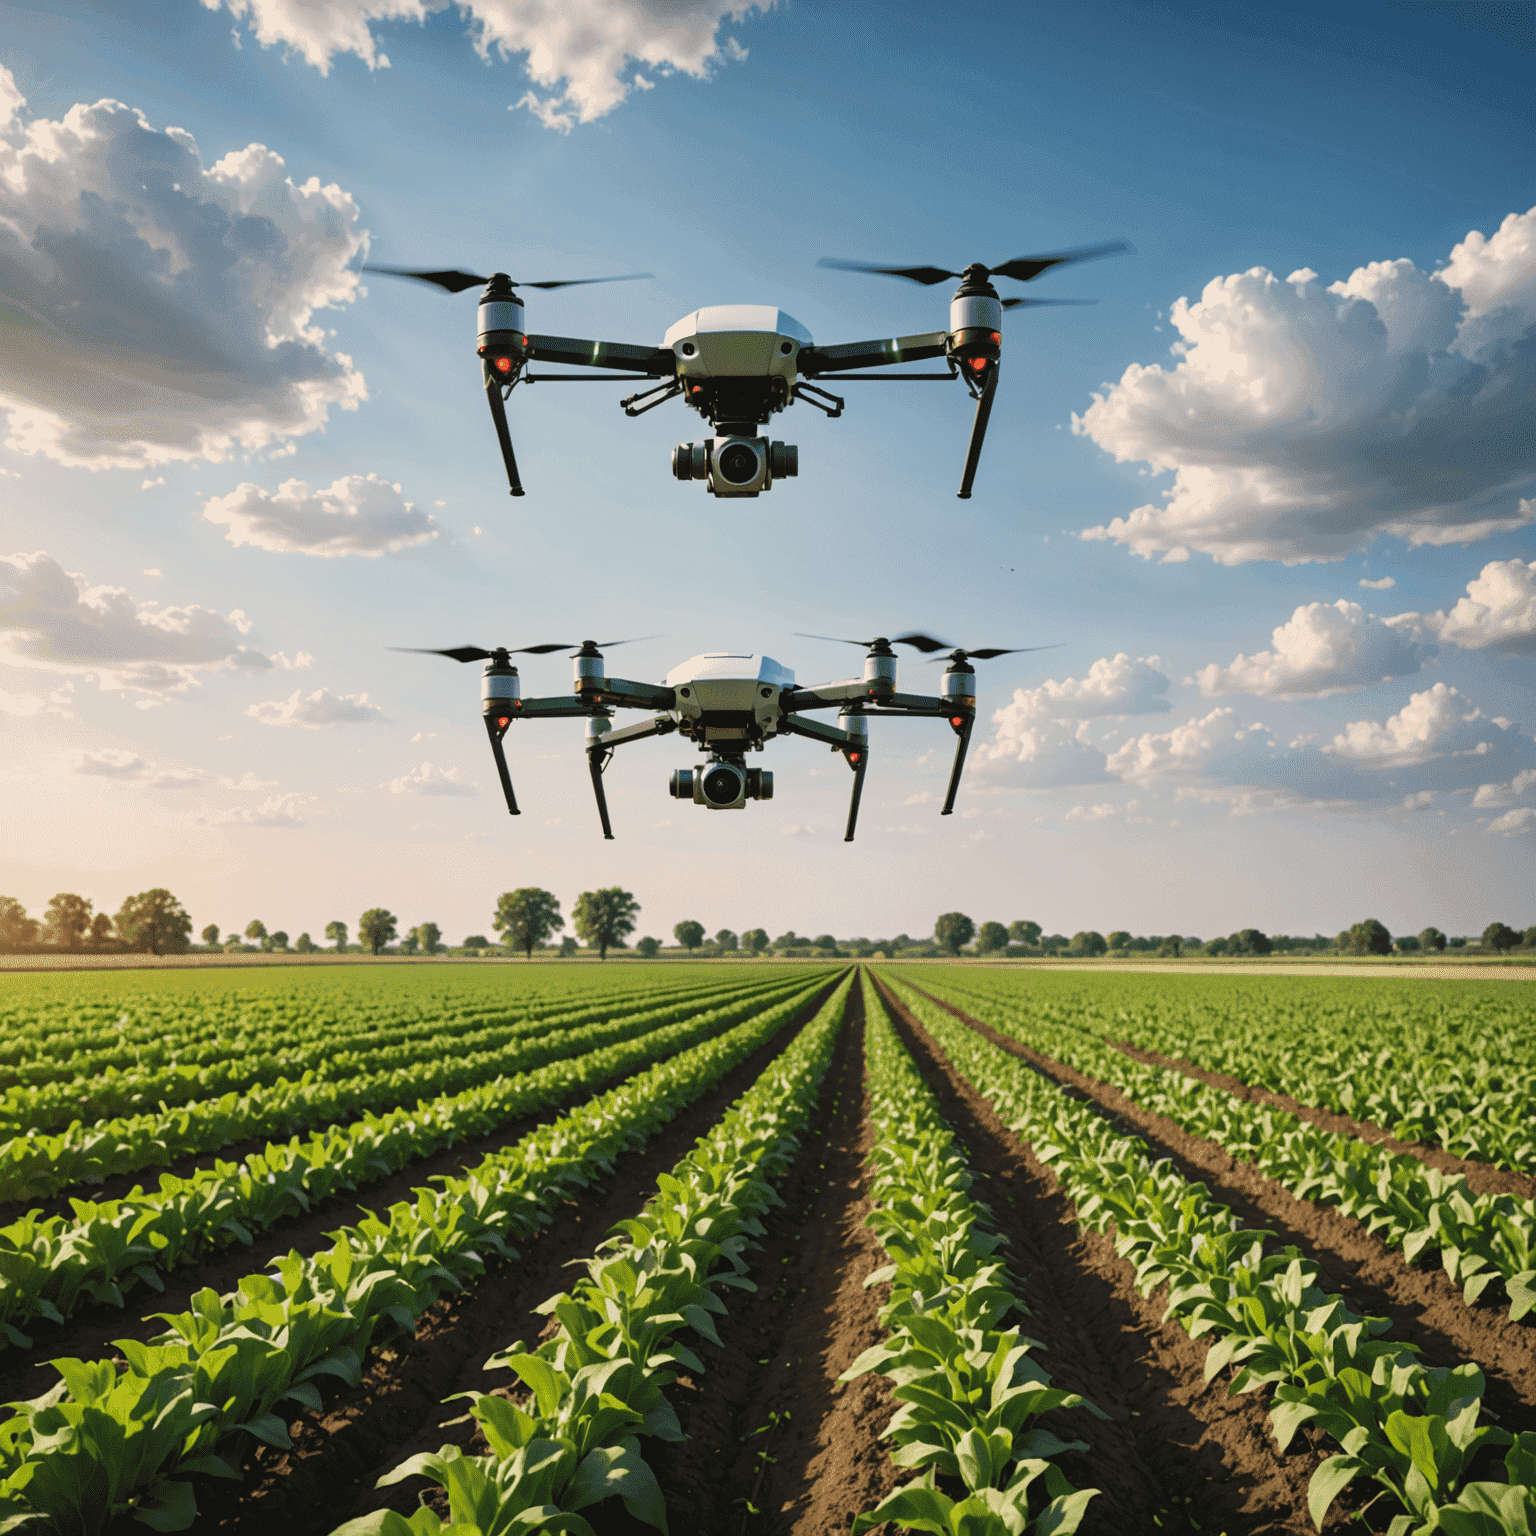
1216,742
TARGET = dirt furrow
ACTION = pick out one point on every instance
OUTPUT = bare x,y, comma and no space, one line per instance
1426,1309
1481,1178
1176,1454
776,1446
398,1409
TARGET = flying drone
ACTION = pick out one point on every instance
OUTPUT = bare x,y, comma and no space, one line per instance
737,365
728,705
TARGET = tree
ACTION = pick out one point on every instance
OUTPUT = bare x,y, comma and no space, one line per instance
954,930
689,934
784,940
825,943
1432,938
567,947
1023,933
1087,942
477,941
16,928
604,917
101,929
990,938
1119,939
527,917
304,945
1408,944
1171,947
66,920
1500,937
755,939
337,934
727,940
278,940
429,936
647,948
210,935
1528,938
410,943
1367,938
255,930
376,928
1249,942
155,921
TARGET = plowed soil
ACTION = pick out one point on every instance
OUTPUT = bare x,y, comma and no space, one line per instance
399,1408
1176,1454
1481,1178
1425,1308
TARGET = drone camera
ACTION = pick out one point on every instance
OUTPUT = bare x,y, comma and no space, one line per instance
720,785
736,466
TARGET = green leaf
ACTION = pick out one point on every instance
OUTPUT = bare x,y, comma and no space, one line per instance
173,1506
1328,1482
618,1471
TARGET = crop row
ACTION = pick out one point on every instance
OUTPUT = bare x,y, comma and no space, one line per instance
108,1442
597,1387
970,1390
100,1091
48,1267
1412,1430
1482,1240
38,1164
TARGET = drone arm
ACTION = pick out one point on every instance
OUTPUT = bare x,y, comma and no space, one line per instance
503,435
824,695
859,765
657,362
978,432
621,692
873,354
560,706
496,731
964,732
829,734
664,725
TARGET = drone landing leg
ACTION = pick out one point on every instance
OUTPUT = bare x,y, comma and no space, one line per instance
503,435
595,762
954,774
978,433
858,790
496,732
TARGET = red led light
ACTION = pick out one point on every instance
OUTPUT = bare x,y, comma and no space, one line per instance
997,336
957,721
853,757
978,363
503,721
503,364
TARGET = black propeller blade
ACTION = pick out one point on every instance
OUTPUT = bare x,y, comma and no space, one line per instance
1021,268
457,282
463,653
986,653
1036,303
928,644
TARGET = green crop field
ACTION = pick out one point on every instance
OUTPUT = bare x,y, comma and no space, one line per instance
765,1248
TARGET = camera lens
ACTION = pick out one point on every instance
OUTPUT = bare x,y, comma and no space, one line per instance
738,464
721,785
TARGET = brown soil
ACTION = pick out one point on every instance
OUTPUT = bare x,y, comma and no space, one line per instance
1176,1454
399,1408
1481,1178
773,1392
1425,1308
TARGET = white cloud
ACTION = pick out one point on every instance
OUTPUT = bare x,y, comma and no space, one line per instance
275,811
1436,723
1219,745
1499,610
1512,823
313,711
355,515
26,705
1114,686
1301,421
429,779
1384,584
116,763
582,52
1091,812
1492,797
53,619
1323,648
301,661
1049,755
156,308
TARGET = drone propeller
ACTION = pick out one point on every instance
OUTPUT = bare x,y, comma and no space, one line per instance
1037,303
1021,268
457,282
463,653
927,644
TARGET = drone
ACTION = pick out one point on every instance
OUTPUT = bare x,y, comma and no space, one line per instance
737,365
728,704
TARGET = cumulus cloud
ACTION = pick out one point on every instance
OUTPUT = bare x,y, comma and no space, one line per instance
1498,611
1436,723
1093,812
52,618
1220,745
1511,823
157,308
313,711
1323,648
26,705
1114,686
429,779
301,661
116,763
585,53
1384,584
285,811
1492,797
355,515
1051,754
1300,421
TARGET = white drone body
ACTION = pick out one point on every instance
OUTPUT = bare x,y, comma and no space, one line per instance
730,700
737,341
